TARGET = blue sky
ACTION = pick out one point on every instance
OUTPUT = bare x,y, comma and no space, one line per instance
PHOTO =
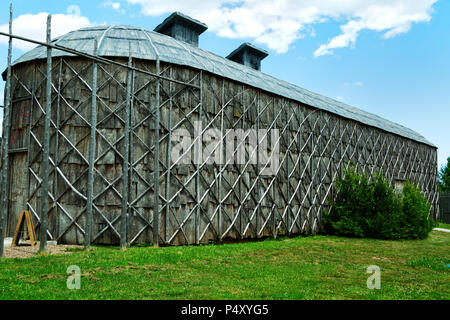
391,58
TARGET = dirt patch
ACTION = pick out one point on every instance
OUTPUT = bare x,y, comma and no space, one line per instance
27,251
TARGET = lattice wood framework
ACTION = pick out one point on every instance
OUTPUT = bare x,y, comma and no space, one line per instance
112,179
211,200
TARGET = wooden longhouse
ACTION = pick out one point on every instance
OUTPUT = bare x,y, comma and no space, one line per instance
113,162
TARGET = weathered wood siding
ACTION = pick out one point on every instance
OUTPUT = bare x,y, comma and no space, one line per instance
197,203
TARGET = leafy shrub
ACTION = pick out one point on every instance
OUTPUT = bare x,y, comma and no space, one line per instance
415,209
371,208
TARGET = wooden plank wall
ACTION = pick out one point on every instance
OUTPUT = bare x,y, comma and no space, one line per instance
198,202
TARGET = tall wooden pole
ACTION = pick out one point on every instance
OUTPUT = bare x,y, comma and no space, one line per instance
92,147
156,213
6,135
46,149
125,165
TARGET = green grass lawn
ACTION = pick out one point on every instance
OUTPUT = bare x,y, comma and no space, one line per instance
443,225
319,267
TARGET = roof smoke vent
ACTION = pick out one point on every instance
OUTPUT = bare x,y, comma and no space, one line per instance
248,55
182,27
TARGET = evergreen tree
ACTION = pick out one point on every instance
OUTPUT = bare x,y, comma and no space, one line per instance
444,177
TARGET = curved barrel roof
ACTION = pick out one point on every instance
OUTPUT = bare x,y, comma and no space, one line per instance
114,41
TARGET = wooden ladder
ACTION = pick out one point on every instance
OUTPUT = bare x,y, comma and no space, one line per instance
24,216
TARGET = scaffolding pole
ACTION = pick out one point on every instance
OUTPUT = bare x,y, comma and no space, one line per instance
6,136
92,147
156,217
168,164
46,149
125,165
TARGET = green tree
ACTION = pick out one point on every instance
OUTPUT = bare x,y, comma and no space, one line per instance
444,177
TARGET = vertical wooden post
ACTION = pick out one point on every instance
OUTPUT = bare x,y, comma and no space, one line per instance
274,204
258,169
46,150
219,186
319,185
131,154
311,169
92,148
288,194
5,144
168,161
198,162
156,214
331,159
56,154
125,165
340,149
299,148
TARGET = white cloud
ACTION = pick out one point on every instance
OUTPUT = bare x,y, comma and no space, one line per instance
113,5
34,26
391,17
278,24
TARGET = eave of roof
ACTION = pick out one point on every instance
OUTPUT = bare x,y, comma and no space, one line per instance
114,41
